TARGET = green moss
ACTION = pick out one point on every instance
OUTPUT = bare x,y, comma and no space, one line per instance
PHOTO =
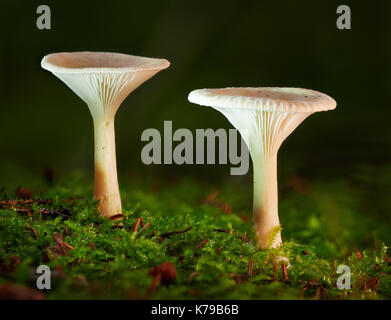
324,225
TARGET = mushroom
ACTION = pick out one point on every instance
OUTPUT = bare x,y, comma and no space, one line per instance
264,117
103,80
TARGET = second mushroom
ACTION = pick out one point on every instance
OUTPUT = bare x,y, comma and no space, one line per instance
103,80
264,117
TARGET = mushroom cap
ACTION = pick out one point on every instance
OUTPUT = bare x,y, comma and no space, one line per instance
100,62
270,99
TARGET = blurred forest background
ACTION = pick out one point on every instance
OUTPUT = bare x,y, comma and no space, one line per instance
209,44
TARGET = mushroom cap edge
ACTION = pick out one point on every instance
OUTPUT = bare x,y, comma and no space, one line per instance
280,99
48,62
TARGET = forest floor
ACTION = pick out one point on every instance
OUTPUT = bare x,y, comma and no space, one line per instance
190,240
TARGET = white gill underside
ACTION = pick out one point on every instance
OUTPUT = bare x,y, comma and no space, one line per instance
103,92
263,131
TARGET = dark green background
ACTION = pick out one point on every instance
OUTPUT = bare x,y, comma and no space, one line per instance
209,44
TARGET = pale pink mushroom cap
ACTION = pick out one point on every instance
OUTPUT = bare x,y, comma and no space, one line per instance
102,62
264,99
102,79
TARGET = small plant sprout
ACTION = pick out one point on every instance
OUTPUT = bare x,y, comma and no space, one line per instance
103,80
264,117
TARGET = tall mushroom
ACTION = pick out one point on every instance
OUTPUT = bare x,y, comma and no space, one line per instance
103,80
264,117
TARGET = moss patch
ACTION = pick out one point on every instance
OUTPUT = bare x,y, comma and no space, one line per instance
205,236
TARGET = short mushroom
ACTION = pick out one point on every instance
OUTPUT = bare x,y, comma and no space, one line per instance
103,80
264,117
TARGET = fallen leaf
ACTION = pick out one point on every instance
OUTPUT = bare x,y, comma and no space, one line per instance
359,255
372,284
10,291
24,193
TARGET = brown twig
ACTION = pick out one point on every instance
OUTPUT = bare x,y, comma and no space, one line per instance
117,216
91,225
211,200
192,276
284,271
66,231
25,201
33,232
68,246
250,268
136,225
57,237
169,234
238,278
145,226
274,266
308,284
233,232
201,244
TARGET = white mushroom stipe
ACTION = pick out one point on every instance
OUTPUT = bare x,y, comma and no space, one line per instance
264,117
103,80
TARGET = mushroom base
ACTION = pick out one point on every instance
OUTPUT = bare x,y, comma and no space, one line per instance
106,182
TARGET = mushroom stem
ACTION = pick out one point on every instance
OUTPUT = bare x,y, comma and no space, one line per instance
265,209
106,182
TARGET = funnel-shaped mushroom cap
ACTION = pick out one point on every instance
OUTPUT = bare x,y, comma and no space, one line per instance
264,116
264,99
102,79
